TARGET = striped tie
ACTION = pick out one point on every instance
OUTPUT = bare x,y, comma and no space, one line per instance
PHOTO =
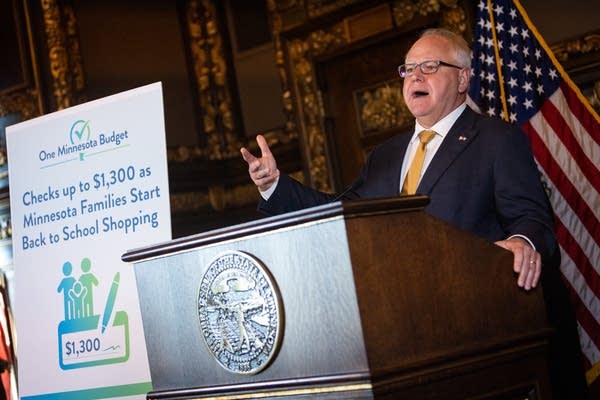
414,172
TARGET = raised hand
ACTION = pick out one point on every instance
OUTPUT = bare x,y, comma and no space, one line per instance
263,170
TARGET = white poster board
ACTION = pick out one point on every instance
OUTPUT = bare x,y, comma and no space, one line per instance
86,184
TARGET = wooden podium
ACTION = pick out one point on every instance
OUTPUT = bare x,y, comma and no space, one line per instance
379,300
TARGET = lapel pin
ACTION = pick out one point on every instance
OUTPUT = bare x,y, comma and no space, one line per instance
462,138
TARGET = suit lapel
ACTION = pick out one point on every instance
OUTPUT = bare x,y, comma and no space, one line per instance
455,142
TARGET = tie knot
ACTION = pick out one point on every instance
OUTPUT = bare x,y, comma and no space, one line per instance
426,136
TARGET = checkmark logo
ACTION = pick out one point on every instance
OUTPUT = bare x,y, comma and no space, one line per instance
80,131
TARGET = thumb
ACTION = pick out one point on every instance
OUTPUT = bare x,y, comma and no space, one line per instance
264,147
503,244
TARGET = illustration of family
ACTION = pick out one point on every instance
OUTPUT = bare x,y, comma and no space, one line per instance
78,294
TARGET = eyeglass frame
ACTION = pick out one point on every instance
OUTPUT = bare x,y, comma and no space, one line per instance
440,63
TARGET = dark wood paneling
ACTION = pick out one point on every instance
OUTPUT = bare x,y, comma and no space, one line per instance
342,76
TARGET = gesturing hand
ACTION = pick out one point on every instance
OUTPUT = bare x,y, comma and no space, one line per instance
263,170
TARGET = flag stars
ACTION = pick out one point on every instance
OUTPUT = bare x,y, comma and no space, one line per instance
540,89
520,59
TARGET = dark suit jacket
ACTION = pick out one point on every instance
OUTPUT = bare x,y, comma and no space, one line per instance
482,179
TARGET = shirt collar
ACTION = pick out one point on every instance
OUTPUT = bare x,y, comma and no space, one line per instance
442,127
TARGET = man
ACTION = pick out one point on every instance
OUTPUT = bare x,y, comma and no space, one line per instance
478,172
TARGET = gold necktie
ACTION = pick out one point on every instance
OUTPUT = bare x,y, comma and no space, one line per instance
414,171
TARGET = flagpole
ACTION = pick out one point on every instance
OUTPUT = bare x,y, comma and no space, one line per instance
498,60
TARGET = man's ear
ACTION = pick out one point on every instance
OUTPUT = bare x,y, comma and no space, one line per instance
464,76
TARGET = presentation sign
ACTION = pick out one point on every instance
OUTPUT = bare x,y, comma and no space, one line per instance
86,184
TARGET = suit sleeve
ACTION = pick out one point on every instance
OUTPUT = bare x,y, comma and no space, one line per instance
290,195
521,201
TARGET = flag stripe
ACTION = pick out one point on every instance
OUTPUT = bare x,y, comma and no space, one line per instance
562,182
565,133
587,324
582,135
580,266
588,118
588,255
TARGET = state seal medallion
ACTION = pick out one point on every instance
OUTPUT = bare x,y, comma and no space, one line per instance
240,313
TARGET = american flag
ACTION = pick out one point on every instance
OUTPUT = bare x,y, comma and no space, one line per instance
516,77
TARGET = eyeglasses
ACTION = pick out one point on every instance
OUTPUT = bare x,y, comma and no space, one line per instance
427,67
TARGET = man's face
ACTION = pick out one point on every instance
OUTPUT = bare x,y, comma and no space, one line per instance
430,97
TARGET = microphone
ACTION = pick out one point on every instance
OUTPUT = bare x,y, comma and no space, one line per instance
348,189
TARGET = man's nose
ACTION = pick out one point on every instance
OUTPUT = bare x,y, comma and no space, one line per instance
417,74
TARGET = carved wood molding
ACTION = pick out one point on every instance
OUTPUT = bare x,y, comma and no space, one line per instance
587,44
24,102
210,71
62,41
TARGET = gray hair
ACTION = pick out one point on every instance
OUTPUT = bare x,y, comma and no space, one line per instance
462,51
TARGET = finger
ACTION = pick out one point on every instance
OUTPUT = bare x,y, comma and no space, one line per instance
519,263
528,266
536,278
522,279
526,277
534,269
265,151
247,156
537,272
255,166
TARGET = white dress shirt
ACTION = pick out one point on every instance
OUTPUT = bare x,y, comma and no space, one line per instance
442,127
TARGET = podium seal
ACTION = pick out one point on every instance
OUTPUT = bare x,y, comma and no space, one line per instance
240,312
